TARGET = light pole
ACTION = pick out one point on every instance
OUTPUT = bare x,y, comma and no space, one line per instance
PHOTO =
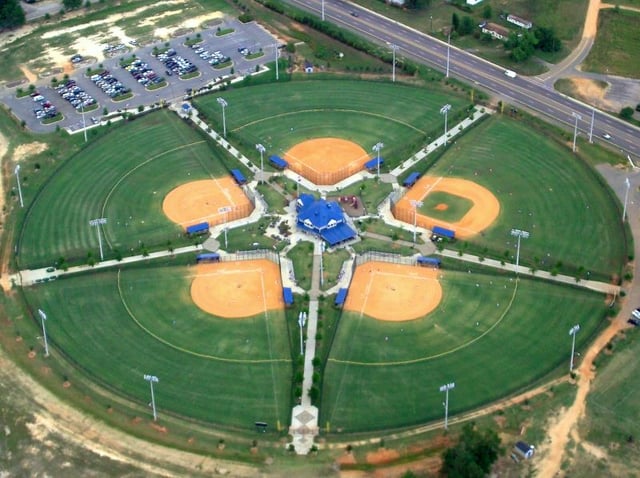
445,111
377,147
520,234
416,204
323,10
261,149
222,102
445,389
277,54
84,125
152,379
448,51
626,197
573,331
225,210
321,264
575,129
593,119
43,317
17,172
431,18
393,69
97,223
302,318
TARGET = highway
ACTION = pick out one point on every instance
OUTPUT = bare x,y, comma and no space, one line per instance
520,91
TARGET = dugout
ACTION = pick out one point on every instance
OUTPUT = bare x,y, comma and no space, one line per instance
208,257
443,232
373,164
278,162
411,179
425,261
238,177
200,228
287,296
341,297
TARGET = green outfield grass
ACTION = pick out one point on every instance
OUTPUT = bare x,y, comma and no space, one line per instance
477,338
572,216
124,177
457,206
360,111
225,371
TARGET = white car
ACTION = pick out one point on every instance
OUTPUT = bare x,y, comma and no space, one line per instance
606,135
636,314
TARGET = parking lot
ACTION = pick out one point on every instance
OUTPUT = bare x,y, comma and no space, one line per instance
113,87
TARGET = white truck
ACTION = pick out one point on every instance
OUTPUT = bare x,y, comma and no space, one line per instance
510,73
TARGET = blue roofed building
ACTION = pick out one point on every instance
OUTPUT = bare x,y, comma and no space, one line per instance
323,218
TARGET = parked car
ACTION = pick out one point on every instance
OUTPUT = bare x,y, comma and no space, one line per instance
636,314
634,322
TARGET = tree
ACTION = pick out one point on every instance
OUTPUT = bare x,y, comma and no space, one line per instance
71,4
466,26
487,12
547,39
455,21
473,455
626,113
11,14
521,45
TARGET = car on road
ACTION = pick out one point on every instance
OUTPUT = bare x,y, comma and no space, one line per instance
606,135
354,14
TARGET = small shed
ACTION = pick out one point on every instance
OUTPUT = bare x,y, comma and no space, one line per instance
287,296
525,450
411,179
238,177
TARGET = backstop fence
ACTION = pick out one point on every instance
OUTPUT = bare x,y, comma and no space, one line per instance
251,255
379,256
325,178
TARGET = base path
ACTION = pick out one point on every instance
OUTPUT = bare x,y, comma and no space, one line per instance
205,201
237,289
393,292
482,214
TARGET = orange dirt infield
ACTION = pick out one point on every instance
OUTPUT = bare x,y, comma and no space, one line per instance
326,160
394,292
200,201
237,289
482,214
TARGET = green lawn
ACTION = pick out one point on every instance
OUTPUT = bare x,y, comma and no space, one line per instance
456,206
544,190
144,322
360,111
332,263
302,257
161,152
617,46
476,338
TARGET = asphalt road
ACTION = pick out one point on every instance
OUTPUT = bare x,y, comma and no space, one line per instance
531,94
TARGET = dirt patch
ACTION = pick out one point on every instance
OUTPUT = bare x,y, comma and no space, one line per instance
482,214
30,75
30,149
326,160
393,292
381,456
590,91
441,207
206,201
237,289
4,147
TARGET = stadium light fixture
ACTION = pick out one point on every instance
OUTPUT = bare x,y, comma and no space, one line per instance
626,198
84,125
445,389
377,147
261,149
43,318
575,129
225,210
152,379
416,204
222,102
520,234
573,331
277,54
393,49
445,111
322,10
97,223
17,172
302,318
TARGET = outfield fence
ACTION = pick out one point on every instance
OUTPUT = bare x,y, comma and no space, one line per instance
379,256
251,255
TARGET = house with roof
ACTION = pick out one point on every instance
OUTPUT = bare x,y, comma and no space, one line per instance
496,31
324,219
524,450
473,2
521,22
